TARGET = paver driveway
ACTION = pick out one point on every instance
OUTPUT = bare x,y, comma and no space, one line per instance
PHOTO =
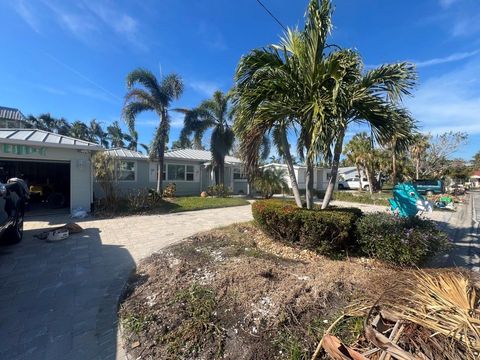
58,300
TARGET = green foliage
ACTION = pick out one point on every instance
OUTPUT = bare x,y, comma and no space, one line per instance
270,181
134,323
400,241
325,231
219,190
198,306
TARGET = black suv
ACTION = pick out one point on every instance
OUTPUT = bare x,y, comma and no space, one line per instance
12,209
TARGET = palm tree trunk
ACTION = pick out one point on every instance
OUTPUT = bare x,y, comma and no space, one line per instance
161,151
337,151
370,180
394,167
359,176
290,169
221,173
309,183
417,168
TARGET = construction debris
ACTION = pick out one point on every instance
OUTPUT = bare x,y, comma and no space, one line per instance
59,233
424,316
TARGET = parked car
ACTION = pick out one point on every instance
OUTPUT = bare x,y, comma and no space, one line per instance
429,186
353,183
13,197
456,189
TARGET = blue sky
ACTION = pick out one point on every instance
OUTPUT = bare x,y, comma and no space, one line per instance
70,58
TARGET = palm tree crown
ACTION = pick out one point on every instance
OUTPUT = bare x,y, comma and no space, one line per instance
213,113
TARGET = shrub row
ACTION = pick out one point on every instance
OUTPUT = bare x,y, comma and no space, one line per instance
325,231
400,241
360,198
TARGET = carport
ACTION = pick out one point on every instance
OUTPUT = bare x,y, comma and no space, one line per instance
57,168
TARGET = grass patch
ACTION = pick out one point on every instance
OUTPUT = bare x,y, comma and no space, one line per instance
363,198
190,203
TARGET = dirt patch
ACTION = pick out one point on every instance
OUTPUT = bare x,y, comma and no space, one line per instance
233,293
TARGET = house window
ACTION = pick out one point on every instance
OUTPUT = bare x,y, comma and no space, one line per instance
190,173
126,170
239,174
176,172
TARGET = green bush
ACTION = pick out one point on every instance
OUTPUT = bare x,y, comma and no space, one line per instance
325,231
400,241
219,190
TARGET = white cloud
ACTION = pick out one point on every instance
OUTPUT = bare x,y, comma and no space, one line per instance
447,3
450,101
93,93
447,59
211,36
204,87
27,14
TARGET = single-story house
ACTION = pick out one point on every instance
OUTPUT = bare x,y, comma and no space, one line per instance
56,168
11,118
320,179
189,169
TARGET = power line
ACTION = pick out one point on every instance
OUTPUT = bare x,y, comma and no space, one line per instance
273,16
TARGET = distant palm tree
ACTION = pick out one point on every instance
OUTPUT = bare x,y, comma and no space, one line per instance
116,135
213,113
419,144
155,96
270,182
80,130
62,127
97,133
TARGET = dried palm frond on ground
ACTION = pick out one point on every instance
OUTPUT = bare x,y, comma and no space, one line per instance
425,315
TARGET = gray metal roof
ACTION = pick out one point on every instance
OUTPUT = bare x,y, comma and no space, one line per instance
198,155
126,154
44,138
11,114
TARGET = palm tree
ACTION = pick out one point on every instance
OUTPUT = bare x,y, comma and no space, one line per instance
116,135
152,95
213,113
419,144
80,130
371,97
270,182
355,152
292,82
97,133
62,127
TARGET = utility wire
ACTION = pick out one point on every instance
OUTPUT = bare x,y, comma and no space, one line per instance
270,13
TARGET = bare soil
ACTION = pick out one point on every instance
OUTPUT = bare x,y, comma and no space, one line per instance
233,293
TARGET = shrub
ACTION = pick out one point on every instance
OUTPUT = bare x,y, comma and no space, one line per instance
219,190
270,181
170,190
400,241
375,199
324,231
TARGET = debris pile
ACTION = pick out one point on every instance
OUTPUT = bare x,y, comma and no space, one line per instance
59,233
423,316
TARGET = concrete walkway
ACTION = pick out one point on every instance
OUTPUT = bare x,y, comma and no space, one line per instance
58,300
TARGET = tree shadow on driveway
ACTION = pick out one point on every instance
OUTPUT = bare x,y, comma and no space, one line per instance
59,300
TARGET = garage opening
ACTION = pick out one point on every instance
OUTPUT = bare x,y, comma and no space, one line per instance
48,182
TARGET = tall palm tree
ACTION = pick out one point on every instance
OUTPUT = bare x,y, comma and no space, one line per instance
146,93
62,127
419,144
355,152
213,113
290,82
116,135
371,97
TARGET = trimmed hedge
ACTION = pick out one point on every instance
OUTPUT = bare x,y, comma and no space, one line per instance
325,231
400,241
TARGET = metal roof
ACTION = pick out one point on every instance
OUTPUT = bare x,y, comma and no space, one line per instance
11,113
198,155
44,138
126,154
